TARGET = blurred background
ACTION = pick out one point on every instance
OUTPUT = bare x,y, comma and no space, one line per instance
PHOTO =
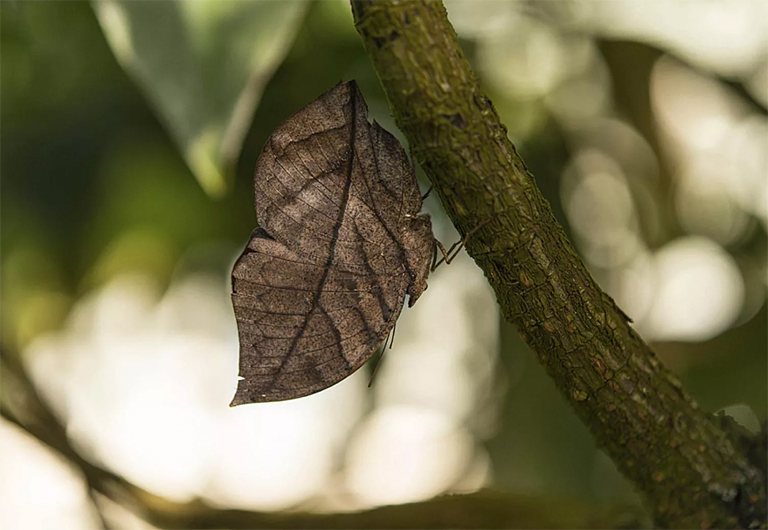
130,131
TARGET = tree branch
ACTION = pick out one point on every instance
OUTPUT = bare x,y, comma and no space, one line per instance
655,432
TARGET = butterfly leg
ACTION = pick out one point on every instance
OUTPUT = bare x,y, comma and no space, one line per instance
434,256
424,197
450,254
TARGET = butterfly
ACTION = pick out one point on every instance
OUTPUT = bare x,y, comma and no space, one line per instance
340,243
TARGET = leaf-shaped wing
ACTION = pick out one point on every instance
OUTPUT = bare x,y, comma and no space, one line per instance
324,278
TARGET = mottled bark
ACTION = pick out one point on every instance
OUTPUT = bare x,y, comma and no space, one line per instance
677,454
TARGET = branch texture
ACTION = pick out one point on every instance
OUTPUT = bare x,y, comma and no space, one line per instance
678,455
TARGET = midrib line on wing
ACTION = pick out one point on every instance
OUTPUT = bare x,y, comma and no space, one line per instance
332,253
385,309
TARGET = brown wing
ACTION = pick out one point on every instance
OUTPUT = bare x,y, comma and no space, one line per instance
302,327
323,280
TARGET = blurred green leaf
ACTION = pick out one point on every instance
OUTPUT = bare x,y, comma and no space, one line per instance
203,65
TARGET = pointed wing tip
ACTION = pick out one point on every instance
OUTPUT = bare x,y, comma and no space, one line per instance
239,399
350,86
244,398
353,89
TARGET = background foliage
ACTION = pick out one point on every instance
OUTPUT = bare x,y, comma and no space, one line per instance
123,209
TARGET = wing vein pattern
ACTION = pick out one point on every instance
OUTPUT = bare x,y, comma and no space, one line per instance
340,243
